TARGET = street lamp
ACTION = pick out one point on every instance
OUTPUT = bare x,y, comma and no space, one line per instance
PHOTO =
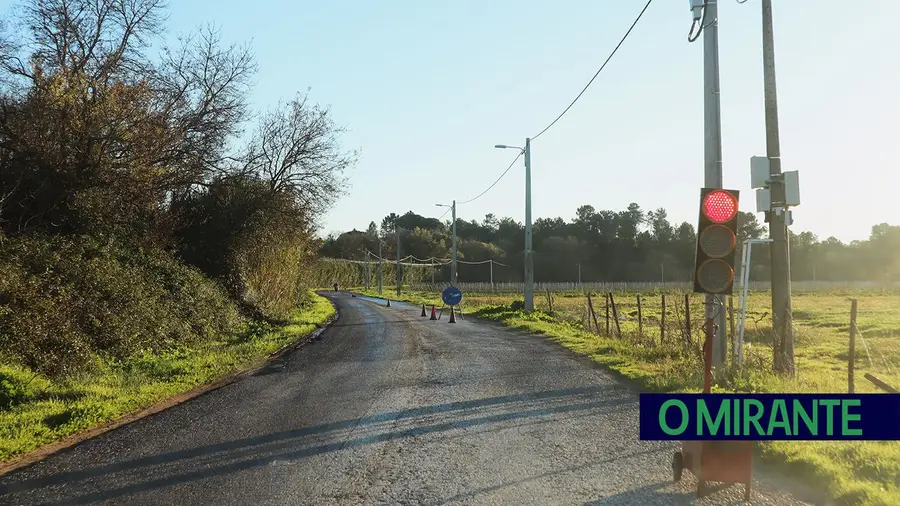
453,257
529,254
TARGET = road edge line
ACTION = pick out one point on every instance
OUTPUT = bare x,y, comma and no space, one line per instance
43,452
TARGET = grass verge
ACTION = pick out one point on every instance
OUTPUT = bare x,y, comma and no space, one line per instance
863,473
38,411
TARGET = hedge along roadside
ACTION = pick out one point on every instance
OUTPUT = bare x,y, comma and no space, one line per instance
53,415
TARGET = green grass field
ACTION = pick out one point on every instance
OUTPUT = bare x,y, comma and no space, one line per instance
37,411
863,473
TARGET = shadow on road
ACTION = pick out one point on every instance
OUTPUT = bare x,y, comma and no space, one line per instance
487,490
662,494
148,473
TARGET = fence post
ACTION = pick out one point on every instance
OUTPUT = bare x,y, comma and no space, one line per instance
607,314
612,302
640,318
593,315
549,301
880,384
851,357
731,316
731,334
662,321
687,318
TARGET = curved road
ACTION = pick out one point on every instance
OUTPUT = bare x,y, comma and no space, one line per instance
387,408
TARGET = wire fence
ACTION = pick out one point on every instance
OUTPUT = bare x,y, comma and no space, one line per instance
643,286
669,315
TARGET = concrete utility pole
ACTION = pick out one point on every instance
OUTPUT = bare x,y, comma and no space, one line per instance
529,254
453,279
782,324
368,273
380,265
399,274
712,144
453,275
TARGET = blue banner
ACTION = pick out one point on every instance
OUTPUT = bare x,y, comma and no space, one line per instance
767,417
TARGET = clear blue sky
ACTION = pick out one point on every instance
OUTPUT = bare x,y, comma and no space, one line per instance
427,89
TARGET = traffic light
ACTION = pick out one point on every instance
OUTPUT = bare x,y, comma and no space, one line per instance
716,241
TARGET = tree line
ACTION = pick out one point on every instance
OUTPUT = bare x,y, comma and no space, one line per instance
120,161
607,245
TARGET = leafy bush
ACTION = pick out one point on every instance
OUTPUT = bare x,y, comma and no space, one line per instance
66,302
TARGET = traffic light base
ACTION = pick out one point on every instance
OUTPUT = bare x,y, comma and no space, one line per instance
716,461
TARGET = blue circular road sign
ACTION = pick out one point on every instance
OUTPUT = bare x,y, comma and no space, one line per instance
451,296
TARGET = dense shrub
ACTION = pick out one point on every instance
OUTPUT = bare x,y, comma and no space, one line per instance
254,239
66,302
127,143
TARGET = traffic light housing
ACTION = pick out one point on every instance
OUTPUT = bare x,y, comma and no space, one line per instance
716,241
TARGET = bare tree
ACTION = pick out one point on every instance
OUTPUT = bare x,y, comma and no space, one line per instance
297,150
114,131
200,90
100,38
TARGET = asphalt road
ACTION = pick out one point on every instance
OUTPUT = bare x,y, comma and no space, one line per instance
388,408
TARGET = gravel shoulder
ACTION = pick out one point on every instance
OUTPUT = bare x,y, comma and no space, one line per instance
390,408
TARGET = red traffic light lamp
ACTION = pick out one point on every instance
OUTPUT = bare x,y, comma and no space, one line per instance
720,206
716,241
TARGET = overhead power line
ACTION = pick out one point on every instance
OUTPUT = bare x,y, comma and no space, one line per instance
627,33
494,183
598,71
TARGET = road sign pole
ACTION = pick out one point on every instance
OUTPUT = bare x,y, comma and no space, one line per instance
778,231
713,153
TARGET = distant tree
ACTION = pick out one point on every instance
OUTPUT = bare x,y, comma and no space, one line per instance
490,222
631,245
749,227
661,228
387,224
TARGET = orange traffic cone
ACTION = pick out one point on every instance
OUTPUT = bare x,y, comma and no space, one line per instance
423,310
433,313
389,303
452,315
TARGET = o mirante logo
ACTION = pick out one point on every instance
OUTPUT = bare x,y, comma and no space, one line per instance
769,416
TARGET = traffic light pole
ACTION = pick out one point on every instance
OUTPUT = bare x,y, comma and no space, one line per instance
712,144
782,324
